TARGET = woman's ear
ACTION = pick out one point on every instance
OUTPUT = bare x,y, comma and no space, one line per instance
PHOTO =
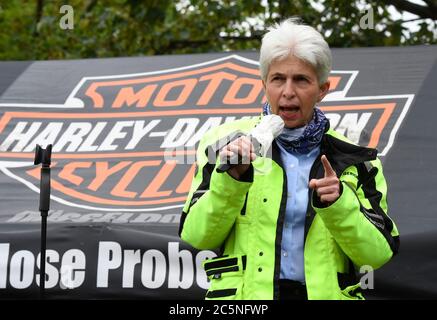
324,88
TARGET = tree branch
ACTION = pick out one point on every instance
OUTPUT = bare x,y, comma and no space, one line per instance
421,11
242,38
432,4
411,20
38,15
90,5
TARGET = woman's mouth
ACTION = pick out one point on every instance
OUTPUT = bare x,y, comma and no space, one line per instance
289,112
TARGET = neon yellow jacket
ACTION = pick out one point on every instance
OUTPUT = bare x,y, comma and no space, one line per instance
245,220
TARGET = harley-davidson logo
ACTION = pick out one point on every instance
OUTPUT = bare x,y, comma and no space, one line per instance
128,142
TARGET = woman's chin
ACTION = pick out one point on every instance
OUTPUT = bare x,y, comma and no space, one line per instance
292,124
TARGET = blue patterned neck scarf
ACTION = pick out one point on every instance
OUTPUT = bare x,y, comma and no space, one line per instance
302,140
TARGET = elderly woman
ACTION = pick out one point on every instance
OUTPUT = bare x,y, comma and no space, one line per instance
304,228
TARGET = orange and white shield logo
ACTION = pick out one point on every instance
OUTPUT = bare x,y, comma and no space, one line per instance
127,142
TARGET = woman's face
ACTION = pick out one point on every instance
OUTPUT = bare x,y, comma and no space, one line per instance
292,89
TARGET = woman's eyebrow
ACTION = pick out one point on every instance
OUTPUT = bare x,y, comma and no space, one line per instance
301,75
277,74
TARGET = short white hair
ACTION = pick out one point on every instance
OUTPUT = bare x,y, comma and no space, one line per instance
292,38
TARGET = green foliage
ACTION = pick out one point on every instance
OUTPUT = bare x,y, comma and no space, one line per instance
113,28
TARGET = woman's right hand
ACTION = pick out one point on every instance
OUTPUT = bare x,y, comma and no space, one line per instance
242,147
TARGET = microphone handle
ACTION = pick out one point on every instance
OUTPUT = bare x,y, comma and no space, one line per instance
233,161
236,159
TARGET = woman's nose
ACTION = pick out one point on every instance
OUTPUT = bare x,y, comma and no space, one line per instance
288,91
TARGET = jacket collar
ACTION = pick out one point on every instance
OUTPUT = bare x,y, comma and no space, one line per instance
342,154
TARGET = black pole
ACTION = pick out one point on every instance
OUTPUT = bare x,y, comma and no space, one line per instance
44,157
42,278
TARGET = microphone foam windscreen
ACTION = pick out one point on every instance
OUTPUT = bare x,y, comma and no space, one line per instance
268,129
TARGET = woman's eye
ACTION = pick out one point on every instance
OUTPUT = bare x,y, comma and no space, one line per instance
301,78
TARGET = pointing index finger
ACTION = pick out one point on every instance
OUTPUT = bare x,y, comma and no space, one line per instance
327,166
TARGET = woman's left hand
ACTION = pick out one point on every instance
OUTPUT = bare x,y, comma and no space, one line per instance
327,188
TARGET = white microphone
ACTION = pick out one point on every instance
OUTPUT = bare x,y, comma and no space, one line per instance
262,137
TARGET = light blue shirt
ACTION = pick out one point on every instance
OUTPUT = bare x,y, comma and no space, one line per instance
297,167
